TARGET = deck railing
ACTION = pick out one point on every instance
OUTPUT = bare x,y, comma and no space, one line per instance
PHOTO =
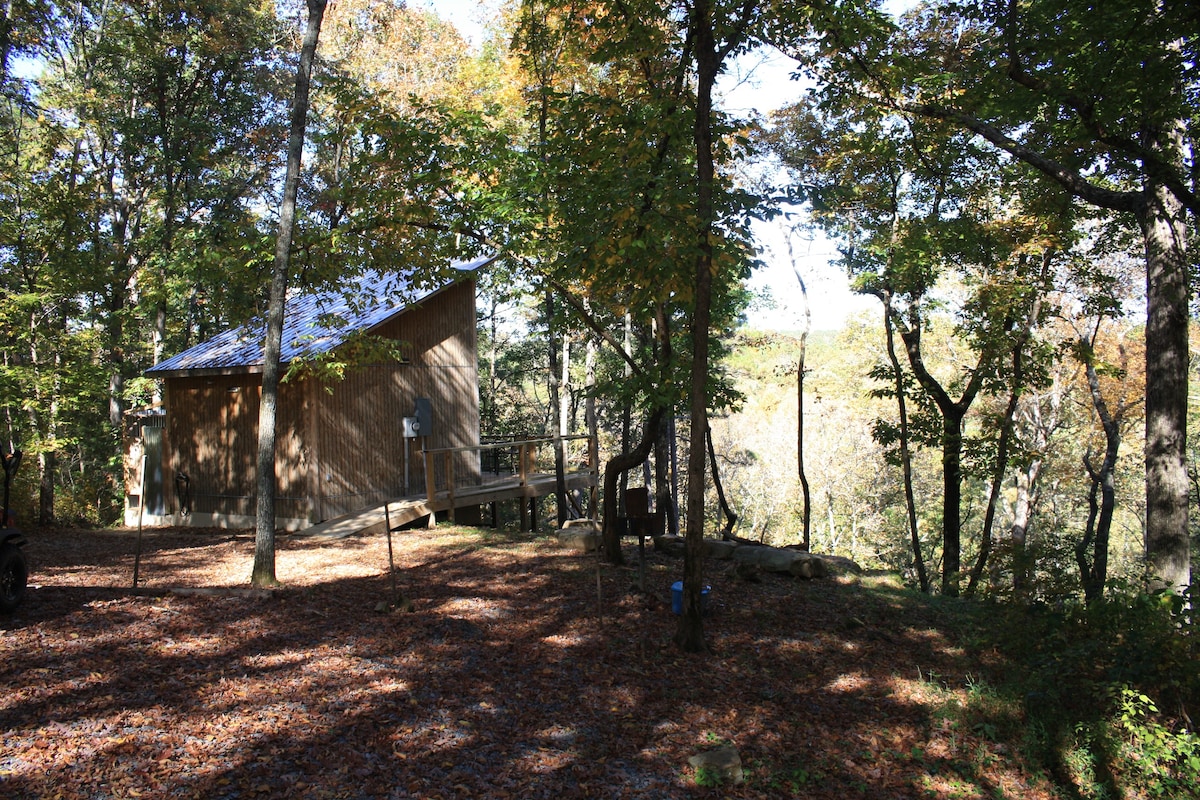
523,458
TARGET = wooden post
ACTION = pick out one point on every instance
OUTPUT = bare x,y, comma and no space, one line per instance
450,483
430,484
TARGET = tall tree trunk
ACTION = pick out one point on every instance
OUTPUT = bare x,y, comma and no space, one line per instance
689,635
565,402
589,413
1021,337
493,356
998,472
556,420
951,503
952,412
1091,552
662,477
731,518
626,411
1164,228
263,573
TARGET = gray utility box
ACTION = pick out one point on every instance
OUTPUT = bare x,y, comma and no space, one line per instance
421,422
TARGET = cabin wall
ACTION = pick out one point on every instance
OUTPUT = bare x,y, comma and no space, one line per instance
339,447
362,457
212,438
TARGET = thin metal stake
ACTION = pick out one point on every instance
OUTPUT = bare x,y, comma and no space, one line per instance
137,559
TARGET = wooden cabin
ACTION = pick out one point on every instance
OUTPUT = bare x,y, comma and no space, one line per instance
341,446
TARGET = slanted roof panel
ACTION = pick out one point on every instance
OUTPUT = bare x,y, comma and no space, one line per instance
314,323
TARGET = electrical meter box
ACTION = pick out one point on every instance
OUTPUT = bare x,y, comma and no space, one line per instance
421,422
424,415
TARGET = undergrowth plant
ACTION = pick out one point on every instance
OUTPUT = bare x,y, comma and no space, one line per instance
1106,690
1168,760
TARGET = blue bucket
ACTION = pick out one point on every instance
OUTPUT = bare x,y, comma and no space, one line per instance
677,598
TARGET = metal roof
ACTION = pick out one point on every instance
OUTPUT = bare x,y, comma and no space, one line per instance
313,323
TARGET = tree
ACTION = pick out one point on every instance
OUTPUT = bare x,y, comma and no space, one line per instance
1100,101
1109,386
923,224
263,572
132,160
647,173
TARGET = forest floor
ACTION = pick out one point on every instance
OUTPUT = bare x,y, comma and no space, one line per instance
519,673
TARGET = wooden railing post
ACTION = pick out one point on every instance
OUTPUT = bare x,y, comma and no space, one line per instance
430,484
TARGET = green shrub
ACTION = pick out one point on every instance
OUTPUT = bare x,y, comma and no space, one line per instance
1107,688
1167,762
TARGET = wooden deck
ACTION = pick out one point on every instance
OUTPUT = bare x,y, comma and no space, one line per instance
407,510
524,484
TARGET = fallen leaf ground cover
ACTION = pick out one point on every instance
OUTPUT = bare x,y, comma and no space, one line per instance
525,670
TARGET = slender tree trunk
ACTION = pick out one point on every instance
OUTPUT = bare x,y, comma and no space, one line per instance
662,477
1091,552
731,518
831,519
49,458
556,421
626,411
589,412
263,573
614,474
1021,339
952,413
1019,532
492,358
910,503
564,428
998,472
806,536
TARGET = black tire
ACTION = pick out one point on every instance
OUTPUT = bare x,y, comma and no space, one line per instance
14,574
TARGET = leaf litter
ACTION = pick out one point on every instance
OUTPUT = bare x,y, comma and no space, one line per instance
504,681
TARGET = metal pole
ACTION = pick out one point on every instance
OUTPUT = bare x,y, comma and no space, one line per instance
137,559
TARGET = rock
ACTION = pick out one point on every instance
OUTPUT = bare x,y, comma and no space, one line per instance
839,565
745,571
671,545
801,567
768,559
719,549
722,765
806,565
580,538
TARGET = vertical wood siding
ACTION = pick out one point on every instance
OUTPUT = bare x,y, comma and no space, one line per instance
361,448
339,447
